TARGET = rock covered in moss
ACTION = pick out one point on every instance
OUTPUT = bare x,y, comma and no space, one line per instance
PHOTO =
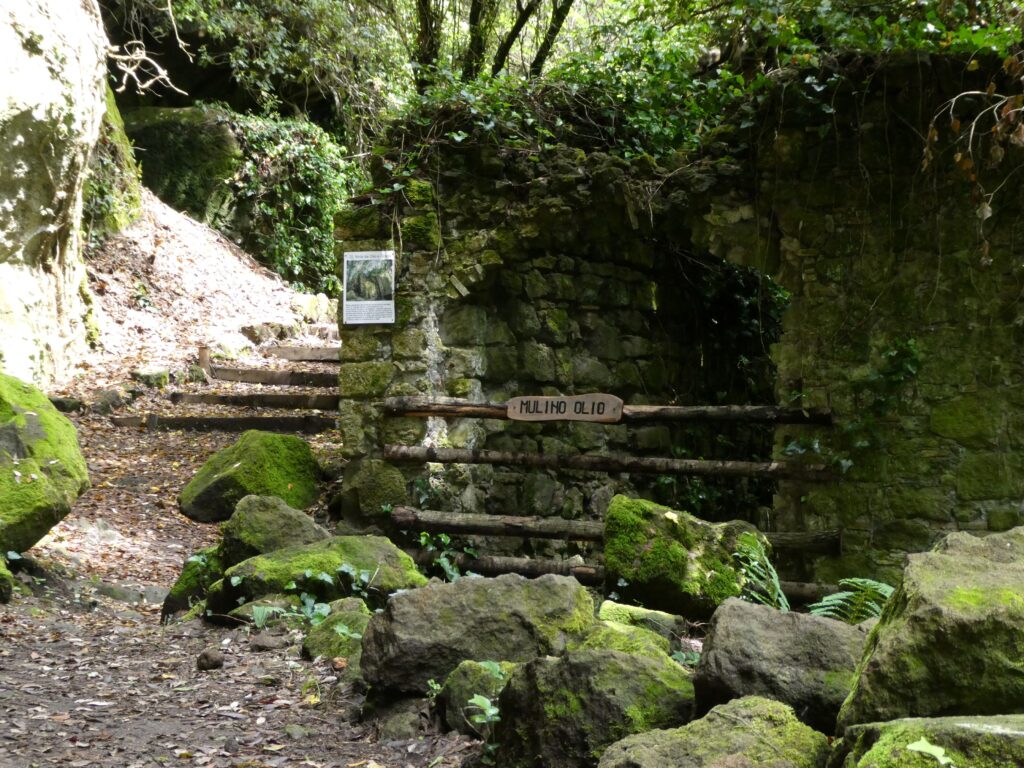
671,560
744,733
270,609
469,679
112,197
262,524
327,569
6,582
948,641
259,463
667,625
807,662
615,636
200,571
42,470
990,741
565,711
340,635
423,635
370,488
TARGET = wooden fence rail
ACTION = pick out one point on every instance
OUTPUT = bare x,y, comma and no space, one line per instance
618,463
766,414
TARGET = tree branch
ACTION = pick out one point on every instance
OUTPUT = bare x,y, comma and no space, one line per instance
501,56
559,11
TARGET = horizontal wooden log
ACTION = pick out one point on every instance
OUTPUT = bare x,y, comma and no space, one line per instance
322,354
497,525
765,414
619,463
410,518
310,425
260,400
798,593
590,575
280,378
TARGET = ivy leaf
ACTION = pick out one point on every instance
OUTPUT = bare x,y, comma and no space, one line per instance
236,580
925,747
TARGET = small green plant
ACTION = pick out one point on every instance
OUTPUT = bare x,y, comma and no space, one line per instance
861,600
484,715
140,295
762,582
434,689
344,631
447,553
925,747
686,658
262,614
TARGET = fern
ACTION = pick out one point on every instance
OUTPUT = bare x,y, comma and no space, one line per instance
761,581
861,600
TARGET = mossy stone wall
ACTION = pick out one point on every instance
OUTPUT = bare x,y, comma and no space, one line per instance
905,319
515,277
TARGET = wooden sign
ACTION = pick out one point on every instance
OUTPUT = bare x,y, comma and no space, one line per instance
605,409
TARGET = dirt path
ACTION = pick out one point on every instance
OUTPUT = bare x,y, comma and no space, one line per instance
89,681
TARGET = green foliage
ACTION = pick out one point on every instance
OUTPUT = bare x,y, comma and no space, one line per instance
262,614
293,179
762,582
446,553
861,600
925,747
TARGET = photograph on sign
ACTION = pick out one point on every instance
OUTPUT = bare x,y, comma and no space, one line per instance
369,287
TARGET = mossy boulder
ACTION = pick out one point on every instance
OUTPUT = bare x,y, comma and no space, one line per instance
423,635
42,470
807,662
992,741
667,625
627,638
670,560
949,639
340,635
260,464
200,571
565,711
370,488
262,524
469,679
6,582
744,733
327,569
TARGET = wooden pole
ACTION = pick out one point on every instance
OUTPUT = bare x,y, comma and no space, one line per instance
620,463
766,414
409,518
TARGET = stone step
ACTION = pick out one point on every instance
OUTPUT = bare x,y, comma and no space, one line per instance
309,425
281,378
260,400
317,354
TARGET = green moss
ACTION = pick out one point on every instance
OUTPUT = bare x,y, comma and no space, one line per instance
624,637
971,420
366,223
467,680
410,343
112,193
370,487
300,568
423,231
339,635
359,346
989,476
669,559
42,470
200,572
365,379
260,464
966,599
6,582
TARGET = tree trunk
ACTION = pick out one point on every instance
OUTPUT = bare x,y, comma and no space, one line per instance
559,12
501,56
481,22
428,42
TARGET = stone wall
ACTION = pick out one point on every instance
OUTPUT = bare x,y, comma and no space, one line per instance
51,105
543,276
906,319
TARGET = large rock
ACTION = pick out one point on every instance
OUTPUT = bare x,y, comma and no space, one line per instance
42,471
751,732
564,711
423,635
51,104
263,524
949,640
807,662
669,626
260,464
200,571
671,560
112,197
615,636
469,679
328,569
991,741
